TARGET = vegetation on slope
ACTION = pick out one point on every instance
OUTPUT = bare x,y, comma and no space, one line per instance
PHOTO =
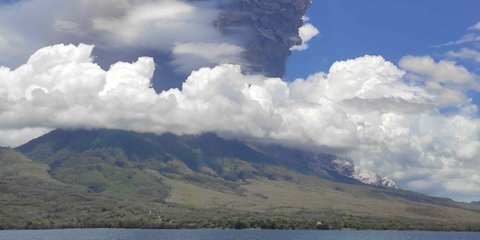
106,178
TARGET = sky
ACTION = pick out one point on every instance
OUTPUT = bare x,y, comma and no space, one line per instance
391,85
392,29
389,28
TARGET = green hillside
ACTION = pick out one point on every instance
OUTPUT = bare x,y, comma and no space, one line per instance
110,178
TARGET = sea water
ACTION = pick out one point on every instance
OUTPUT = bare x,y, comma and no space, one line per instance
217,234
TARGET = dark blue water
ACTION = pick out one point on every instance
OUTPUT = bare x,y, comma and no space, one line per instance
121,234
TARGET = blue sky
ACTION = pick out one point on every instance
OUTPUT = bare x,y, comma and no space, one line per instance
390,28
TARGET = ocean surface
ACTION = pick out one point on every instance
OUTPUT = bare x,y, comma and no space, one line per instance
215,234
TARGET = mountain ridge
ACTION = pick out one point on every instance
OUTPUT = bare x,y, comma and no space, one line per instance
146,145
127,179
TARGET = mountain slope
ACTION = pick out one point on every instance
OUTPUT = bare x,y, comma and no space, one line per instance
168,180
199,153
31,198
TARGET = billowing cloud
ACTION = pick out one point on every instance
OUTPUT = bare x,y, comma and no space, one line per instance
445,80
307,32
365,109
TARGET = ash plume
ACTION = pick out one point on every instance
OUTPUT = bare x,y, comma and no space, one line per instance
181,35
274,25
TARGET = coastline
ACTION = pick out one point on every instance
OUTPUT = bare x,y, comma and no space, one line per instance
245,226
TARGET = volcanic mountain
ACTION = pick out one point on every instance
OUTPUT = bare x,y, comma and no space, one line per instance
114,178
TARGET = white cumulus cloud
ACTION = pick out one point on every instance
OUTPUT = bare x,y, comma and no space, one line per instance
365,109
443,71
307,32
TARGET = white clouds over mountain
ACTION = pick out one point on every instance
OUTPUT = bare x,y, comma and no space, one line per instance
363,108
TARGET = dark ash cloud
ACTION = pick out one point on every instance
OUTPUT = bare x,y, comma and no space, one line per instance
274,24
